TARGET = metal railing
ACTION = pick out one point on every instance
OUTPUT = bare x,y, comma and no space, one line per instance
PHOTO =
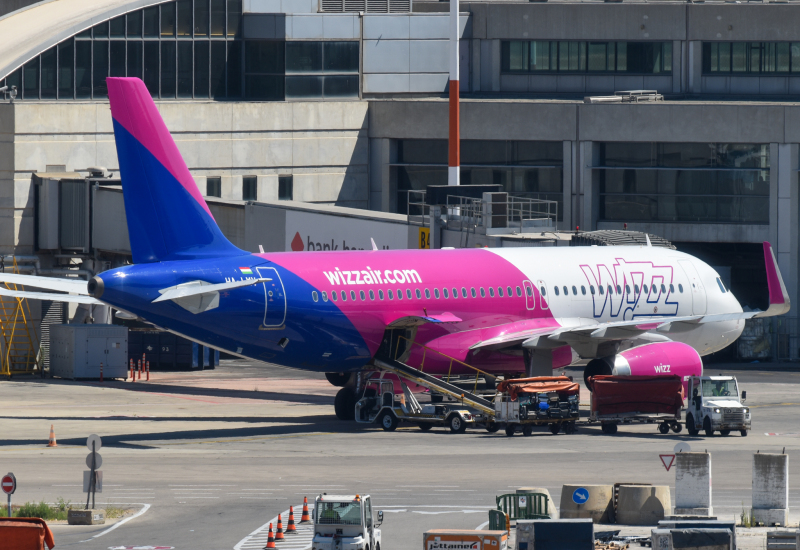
524,505
498,521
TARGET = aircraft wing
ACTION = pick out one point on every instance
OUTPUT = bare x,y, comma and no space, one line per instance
54,296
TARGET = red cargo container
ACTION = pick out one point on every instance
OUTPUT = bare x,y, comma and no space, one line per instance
626,399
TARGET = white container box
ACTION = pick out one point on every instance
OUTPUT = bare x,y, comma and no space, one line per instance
76,351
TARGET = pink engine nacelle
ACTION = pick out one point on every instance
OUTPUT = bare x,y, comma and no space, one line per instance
659,359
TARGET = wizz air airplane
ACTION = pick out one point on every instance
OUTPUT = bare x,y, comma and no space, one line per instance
621,309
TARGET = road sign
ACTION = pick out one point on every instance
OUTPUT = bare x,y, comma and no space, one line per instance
580,495
9,483
98,460
98,443
667,461
682,448
523,501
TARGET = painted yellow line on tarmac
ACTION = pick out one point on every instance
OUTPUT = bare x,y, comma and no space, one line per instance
773,405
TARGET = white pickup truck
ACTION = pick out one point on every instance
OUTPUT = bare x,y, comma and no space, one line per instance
715,405
344,522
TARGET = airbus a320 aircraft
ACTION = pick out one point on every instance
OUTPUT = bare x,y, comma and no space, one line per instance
624,310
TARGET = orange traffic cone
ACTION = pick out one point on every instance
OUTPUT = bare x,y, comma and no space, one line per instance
52,442
305,518
270,539
279,530
290,528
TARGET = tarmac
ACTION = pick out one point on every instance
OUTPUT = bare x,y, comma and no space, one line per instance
207,459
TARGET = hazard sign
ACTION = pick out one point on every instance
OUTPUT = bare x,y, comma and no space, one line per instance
667,461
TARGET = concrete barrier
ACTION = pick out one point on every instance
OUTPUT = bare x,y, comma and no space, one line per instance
771,489
597,506
693,484
642,505
552,510
555,534
700,524
691,539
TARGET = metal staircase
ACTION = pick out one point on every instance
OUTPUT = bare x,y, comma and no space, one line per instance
20,347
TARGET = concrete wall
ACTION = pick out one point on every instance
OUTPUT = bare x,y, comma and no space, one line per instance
323,145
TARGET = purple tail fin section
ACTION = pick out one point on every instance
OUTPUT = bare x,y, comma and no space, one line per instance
168,219
778,297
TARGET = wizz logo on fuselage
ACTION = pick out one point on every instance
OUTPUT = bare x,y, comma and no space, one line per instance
649,287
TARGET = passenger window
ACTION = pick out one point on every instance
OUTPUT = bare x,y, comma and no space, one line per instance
483,293
362,295
636,289
627,289
391,294
380,294
680,288
436,293
491,292
408,293
344,295
500,291
315,296
399,294
418,293
619,289
574,290
334,295
324,296
663,288
654,289
671,288
556,290
519,292
566,291
541,289
510,293
591,289
444,293
463,292
472,292
600,288
371,295
455,293
583,290
428,294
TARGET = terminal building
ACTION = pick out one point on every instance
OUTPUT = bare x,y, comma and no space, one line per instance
343,104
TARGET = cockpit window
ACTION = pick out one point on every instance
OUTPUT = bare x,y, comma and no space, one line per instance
721,285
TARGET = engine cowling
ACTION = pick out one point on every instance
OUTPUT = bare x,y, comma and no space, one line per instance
658,359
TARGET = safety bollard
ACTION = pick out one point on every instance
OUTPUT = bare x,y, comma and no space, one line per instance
101,372
139,368
130,370
148,371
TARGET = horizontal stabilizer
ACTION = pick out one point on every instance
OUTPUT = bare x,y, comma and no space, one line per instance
196,288
55,297
76,286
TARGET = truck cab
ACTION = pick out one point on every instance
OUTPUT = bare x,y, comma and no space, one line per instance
715,405
345,522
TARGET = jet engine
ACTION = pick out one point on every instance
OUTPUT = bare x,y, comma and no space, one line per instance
658,359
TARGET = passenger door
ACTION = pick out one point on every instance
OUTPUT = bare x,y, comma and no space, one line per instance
695,287
274,299
543,298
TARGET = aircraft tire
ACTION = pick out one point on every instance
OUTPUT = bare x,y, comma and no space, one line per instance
344,404
338,379
690,425
388,422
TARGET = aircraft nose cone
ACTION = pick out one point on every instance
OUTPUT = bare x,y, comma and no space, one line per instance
96,287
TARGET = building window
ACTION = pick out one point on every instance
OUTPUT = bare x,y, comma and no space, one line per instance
528,169
720,58
183,49
285,188
214,187
249,188
264,69
683,182
321,69
551,57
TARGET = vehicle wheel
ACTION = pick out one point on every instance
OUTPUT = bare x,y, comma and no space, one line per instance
724,432
743,432
345,404
492,427
707,427
570,427
388,422
663,428
527,430
555,427
690,427
457,424
609,428
677,427
425,427
510,429
339,379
